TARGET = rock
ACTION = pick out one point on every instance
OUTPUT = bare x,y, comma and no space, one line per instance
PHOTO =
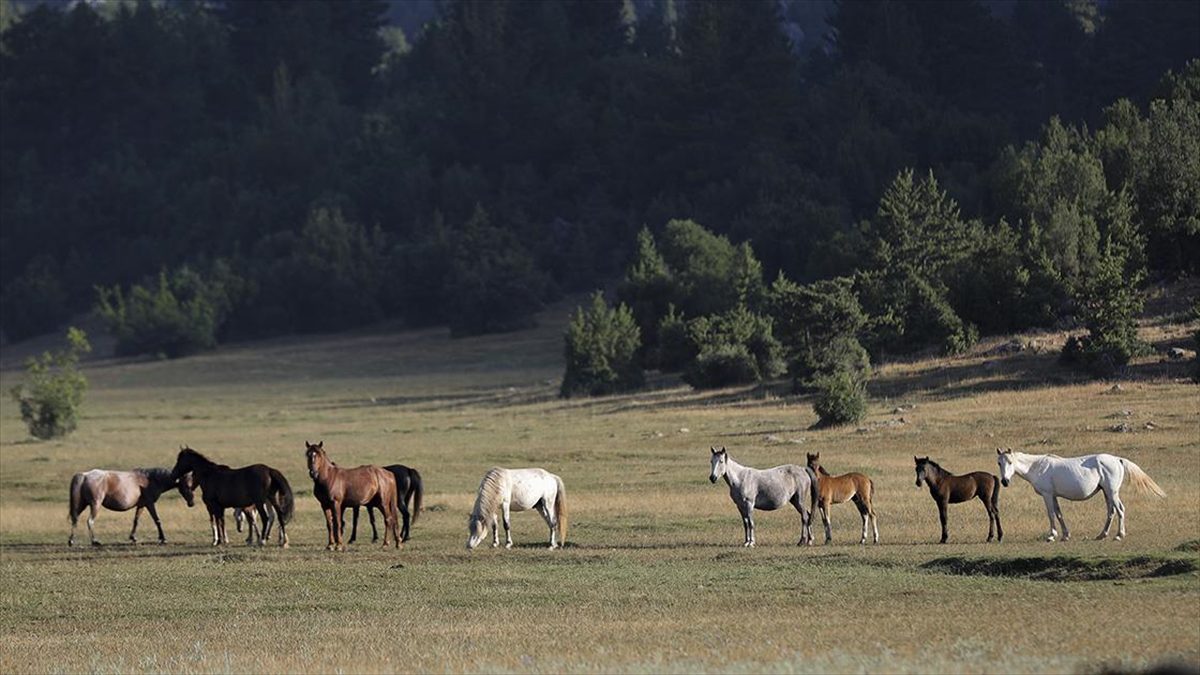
1150,426
684,430
1121,428
1120,413
1177,354
1116,388
772,438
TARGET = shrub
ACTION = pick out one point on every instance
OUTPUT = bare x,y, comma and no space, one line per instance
54,388
736,347
841,399
647,288
179,316
33,303
1196,359
705,268
602,351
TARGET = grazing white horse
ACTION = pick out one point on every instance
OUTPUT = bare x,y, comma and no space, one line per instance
508,490
1077,479
766,490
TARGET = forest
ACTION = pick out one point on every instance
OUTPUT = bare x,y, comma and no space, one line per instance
913,176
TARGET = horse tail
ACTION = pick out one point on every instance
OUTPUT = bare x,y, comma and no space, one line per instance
287,502
560,511
415,489
76,497
1140,479
995,492
813,489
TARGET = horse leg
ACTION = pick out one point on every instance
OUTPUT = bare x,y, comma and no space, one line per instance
212,522
406,520
162,538
221,526
261,508
1111,510
1120,515
74,524
1050,509
544,509
865,512
133,533
495,532
353,525
339,535
1066,533
805,521
991,516
942,516
92,523
874,520
507,524
371,517
329,516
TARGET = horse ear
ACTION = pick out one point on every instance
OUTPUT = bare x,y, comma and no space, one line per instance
321,444
723,450
713,448
915,458
999,451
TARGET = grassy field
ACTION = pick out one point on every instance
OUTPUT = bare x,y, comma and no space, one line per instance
654,577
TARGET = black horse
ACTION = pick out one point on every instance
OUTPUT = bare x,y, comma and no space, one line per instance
256,485
408,486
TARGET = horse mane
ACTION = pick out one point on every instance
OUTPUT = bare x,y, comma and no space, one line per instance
155,474
489,494
937,466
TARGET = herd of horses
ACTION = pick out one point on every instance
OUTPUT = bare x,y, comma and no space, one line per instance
261,496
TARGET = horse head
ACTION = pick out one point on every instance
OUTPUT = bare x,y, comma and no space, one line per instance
187,487
1007,468
922,463
476,530
720,463
316,457
814,460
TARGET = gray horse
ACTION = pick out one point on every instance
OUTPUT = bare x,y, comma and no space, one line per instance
766,490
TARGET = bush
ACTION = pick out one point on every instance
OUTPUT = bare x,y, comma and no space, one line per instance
179,316
33,303
602,347
51,395
736,347
841,399
647,288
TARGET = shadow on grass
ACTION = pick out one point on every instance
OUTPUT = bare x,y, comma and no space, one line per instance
1065,568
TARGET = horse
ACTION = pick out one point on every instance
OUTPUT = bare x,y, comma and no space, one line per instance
1077,479
121,491
256,485
509,490
947,488
854,487
766,490
408,487
335,487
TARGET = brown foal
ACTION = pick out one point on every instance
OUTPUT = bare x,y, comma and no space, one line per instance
854,487
947,488
335,488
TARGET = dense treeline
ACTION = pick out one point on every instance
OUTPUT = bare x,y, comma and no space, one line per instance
245,168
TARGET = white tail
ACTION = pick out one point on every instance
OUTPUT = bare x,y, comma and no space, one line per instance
1140,479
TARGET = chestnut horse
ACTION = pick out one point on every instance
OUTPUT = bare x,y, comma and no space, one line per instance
946,488
408,487
337,488
121,491
854,487
256,485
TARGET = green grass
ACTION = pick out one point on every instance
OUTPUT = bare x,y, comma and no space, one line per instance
653,578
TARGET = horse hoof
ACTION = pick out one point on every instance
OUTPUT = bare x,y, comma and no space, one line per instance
1102,536
1066,537
1119,537
285,545
96,543
508,545
162,542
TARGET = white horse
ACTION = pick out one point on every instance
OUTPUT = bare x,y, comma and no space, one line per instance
1077,479
766,490
508,490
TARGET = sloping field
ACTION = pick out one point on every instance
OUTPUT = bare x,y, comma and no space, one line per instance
654,577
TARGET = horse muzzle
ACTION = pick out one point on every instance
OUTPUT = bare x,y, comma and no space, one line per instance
712,478
1004,482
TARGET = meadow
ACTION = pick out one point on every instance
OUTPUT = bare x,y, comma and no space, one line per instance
653,578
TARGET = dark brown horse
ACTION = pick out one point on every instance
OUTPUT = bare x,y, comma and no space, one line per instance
946,488
854,487
121,491
256,485
408,487
336,488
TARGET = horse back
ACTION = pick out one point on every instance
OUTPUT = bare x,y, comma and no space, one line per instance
841,488
968,486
